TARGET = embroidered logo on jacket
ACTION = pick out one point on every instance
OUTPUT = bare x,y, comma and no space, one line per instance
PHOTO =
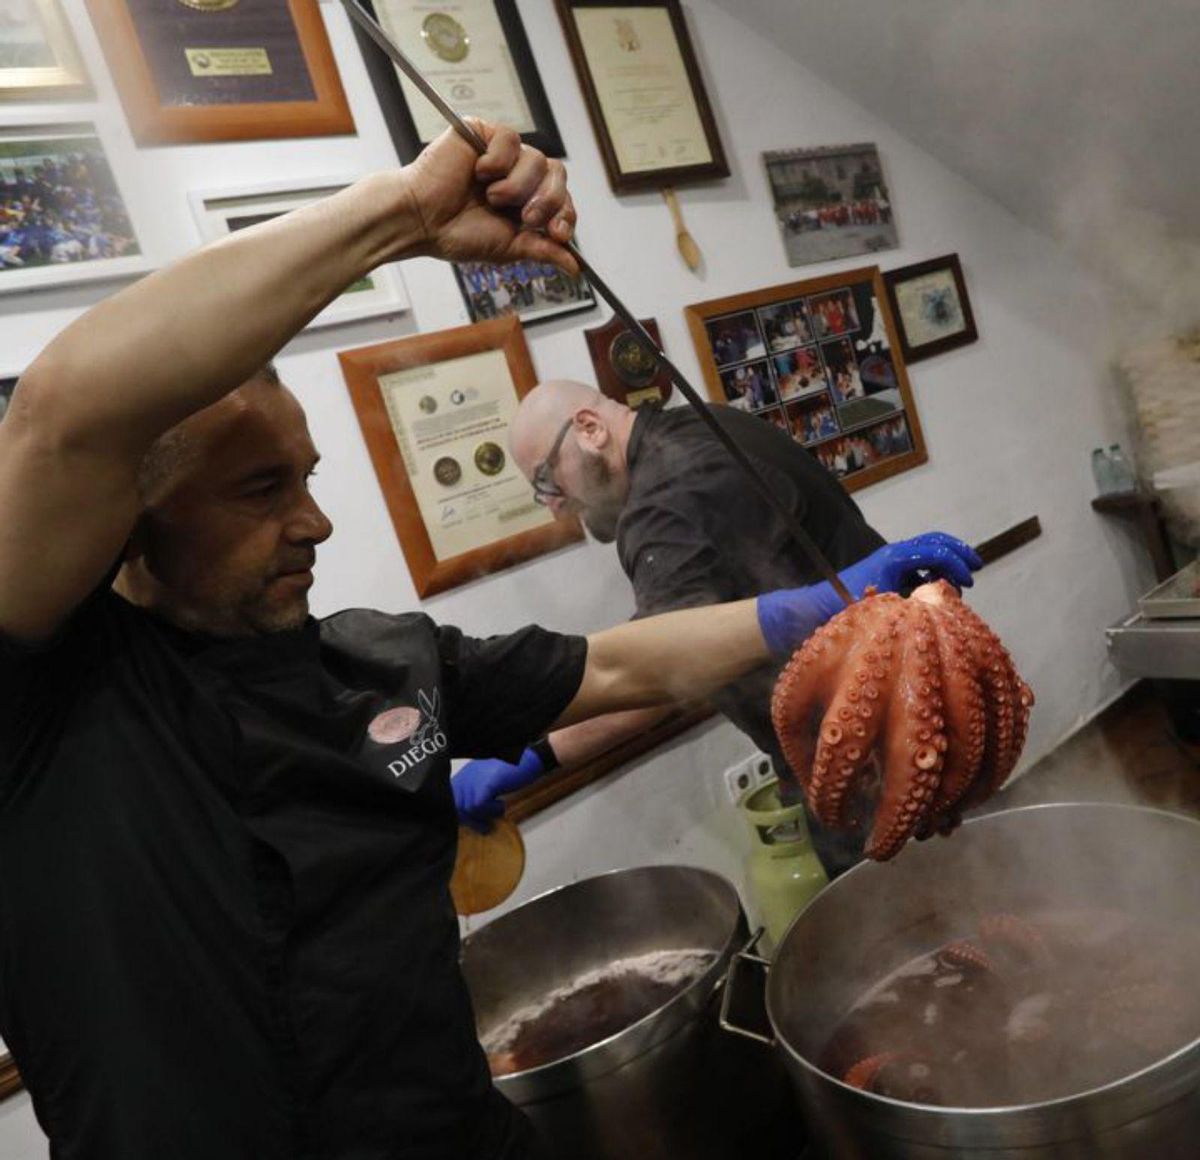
419,726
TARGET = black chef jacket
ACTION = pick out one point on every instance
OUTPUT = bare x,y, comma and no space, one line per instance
696,531
225,924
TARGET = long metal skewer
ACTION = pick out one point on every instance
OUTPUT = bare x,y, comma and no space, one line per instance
393,52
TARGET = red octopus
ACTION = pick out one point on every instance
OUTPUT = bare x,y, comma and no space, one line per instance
920,686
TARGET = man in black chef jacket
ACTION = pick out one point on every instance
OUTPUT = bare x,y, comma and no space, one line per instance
226,829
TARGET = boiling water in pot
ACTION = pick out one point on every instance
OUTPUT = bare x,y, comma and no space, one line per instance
1025,1009
590,1008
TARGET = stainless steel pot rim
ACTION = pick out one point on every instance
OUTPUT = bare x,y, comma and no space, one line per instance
637,1038
838,884
1061,1103
698,871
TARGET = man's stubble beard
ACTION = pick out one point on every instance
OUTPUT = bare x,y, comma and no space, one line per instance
601,506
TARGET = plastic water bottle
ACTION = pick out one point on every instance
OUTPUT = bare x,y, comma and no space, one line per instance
1122,471
1102,470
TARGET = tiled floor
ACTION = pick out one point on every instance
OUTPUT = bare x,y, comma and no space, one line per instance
1128,754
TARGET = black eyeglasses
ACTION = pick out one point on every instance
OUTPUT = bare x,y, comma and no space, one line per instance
544,487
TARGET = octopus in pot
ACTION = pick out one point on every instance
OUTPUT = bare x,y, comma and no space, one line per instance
917,695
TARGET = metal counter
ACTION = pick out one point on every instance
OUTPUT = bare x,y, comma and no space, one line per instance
1163,649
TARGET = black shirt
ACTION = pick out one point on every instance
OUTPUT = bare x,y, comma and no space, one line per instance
225,923
696,531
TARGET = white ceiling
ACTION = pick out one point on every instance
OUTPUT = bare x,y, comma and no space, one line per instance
1066,111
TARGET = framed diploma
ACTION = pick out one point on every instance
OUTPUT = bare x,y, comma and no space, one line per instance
475,53
222,70
38,57
225,211
435,411
820,360
644,92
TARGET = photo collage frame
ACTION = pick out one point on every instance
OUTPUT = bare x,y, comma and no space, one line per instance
820,361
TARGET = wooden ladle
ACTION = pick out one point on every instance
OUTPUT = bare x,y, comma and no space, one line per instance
689,251
488,867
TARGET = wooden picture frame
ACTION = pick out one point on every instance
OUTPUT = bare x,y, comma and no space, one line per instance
230,64
94,240
220,212
10,1078
932,309
434,47
454,498
677,150
47,65
821,360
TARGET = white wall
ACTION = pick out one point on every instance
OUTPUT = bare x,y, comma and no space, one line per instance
1009,421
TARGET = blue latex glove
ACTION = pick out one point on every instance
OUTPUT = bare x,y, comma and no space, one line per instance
478,785
788,617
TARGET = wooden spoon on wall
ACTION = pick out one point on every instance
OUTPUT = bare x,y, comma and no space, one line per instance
689,251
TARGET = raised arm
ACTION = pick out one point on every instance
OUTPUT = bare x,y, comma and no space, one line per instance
92,403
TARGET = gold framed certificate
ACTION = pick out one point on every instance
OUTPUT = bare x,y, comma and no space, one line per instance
475,53
644,92
435,411
222,70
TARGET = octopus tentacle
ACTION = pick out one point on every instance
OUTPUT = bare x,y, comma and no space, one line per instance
853,722
800,703
916,740
966,724
864,1073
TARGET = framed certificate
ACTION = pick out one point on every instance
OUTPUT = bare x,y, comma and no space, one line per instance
820,360
225,211
644,92
475,53
435,411
38,57
222,70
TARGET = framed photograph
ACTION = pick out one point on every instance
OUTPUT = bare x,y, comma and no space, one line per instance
7,383
821,361
530,291
62,217
435,411
644,92
831,202
625,369
38,57
222,212
222,70
933,312
475,53
10,1078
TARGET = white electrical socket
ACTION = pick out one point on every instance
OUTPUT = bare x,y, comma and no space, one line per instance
749,772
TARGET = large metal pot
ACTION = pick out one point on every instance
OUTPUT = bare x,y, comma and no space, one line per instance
878,917
670,1086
